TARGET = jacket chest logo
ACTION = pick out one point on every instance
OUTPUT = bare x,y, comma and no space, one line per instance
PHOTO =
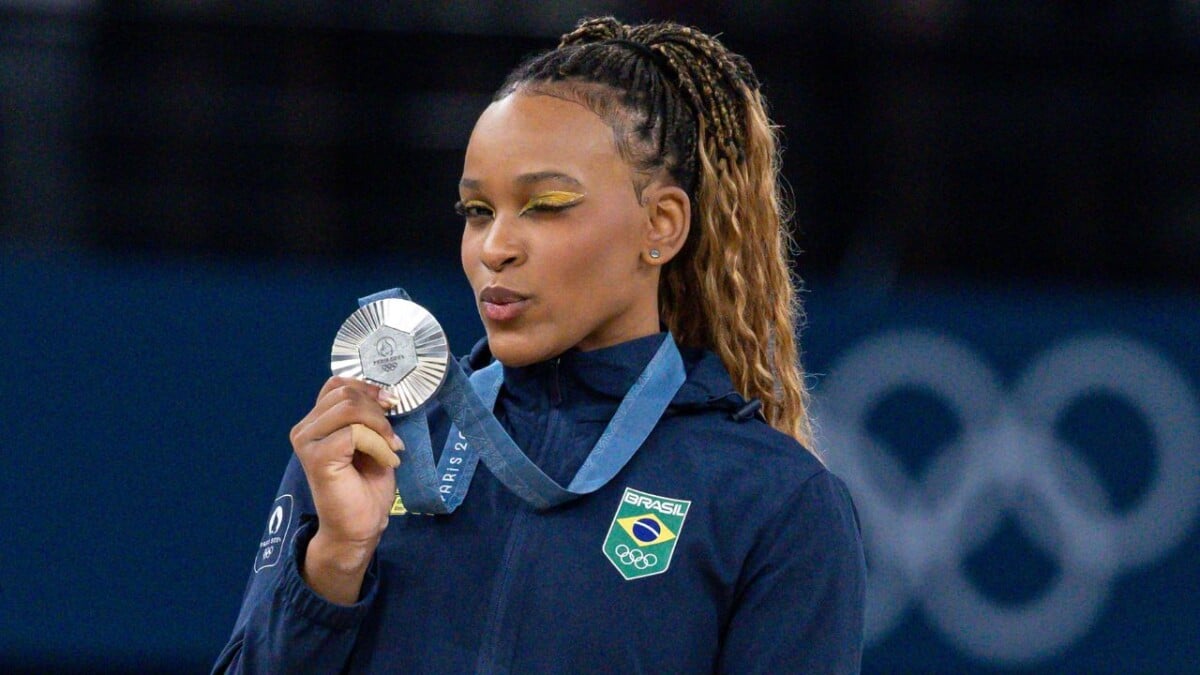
643,533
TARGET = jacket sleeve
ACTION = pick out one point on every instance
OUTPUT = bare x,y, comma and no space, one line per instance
284,626
800,605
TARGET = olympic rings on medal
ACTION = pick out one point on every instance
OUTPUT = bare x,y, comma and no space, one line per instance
638,558
1007,461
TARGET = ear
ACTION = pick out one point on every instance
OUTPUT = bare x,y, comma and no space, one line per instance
668,219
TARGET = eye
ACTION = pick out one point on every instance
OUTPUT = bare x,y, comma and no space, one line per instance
551,202
472,209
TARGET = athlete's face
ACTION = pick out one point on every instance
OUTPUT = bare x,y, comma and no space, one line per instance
555,234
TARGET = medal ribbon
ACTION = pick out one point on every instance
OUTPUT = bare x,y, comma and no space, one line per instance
477,435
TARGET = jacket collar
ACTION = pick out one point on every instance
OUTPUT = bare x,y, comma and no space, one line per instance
611,371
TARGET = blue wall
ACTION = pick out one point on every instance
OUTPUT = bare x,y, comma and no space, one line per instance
146,405
146,408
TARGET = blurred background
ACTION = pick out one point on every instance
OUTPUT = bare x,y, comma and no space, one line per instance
997,203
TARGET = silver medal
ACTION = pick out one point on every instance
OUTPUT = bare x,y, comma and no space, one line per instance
395,344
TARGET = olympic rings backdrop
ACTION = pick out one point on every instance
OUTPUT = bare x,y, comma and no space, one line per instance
1025,462
1026,468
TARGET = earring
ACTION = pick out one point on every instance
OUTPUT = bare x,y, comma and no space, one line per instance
655,254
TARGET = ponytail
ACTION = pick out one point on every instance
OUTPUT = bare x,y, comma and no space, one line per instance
733,293
680,102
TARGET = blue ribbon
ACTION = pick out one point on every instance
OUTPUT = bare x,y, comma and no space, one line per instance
477,435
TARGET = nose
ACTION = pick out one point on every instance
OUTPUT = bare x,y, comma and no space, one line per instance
501,246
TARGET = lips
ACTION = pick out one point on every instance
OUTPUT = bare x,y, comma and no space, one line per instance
499,295
502,304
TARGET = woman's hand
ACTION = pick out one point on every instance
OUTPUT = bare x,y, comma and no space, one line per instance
346,447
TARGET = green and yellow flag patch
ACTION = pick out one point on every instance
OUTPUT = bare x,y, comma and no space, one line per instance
643,533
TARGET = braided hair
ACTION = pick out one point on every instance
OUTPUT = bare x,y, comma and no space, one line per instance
683,106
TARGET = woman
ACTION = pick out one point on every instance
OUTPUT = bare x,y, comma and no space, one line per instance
624,181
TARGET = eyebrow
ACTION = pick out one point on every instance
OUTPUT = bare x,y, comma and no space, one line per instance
526,179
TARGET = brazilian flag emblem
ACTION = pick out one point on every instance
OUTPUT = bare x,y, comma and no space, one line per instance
643,533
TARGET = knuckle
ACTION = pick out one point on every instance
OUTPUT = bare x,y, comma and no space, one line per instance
347,409
341,394
296,435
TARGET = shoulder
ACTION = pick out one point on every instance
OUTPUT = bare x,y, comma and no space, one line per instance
761,477
763,504
775,500
721,429
742,457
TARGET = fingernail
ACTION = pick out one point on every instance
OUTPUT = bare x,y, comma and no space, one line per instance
397,444
386,398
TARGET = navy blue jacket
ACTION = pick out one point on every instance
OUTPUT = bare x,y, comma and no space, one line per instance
766,573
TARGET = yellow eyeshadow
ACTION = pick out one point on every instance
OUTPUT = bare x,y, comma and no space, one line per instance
555,199
475,203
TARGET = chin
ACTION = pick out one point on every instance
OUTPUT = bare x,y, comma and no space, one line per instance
516,350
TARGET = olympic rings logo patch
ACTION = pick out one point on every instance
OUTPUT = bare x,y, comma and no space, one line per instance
639,559
1007,461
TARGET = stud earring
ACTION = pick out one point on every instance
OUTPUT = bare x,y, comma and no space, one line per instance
655,254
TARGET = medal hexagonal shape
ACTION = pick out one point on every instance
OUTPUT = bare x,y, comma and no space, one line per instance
388,355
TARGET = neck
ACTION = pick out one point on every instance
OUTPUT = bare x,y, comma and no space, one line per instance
638,323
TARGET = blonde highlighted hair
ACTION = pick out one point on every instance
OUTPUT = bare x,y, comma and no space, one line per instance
681,103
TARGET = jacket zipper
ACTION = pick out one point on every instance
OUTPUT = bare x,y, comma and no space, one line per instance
493,629
555,389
